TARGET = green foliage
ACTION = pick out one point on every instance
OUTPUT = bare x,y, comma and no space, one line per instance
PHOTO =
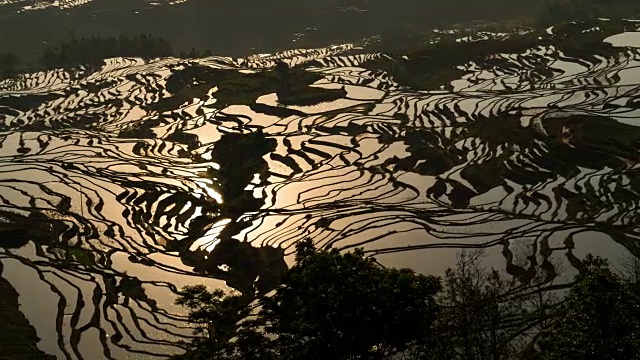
599,320
555,11
341,306
238,88
334,305
240,157
435,65
195,54
328,306
479,317
562,10
222,330
93,50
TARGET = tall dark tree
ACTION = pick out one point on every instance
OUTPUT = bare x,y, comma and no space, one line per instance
223,327
481,315
599,320
342,306
330,305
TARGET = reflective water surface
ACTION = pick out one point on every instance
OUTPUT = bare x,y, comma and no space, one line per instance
120,184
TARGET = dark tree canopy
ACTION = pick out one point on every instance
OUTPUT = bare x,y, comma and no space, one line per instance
328,306
334,305
600,319
339,306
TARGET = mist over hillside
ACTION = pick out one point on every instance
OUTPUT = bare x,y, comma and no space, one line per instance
235,28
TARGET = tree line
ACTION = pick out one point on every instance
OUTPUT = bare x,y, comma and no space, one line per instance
93,50
88,51
556,11
333,305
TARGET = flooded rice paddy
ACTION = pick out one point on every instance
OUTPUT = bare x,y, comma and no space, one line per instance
121,183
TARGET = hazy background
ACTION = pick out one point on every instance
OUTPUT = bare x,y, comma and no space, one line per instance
242,27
